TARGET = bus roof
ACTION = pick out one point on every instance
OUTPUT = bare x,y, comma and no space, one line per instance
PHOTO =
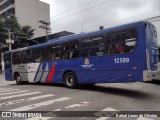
81,35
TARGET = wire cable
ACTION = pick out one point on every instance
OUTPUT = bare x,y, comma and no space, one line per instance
82,5
84,10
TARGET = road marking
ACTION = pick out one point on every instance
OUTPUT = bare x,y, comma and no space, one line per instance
21,95
85,102
106,109
42,104
8,90
142,118
40,118
8,93
58,110
3,84
5,88
77,105
8,82
82,118
25,100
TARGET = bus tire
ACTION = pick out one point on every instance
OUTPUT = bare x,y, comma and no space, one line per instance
70,80
18,79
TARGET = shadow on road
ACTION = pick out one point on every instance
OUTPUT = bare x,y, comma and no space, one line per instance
119,91
41,84
156,82
102,89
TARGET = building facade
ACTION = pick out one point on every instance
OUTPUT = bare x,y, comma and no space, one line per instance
28,12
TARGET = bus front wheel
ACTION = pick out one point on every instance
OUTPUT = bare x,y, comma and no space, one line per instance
18,79
70,80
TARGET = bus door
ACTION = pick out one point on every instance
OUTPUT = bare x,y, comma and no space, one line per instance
8,66
151,48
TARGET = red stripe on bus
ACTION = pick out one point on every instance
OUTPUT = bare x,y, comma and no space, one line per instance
51,74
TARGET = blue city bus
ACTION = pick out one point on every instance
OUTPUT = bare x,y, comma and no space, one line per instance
126,53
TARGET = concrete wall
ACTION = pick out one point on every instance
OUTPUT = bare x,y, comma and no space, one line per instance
29,12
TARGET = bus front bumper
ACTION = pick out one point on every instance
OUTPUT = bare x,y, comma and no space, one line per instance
149,75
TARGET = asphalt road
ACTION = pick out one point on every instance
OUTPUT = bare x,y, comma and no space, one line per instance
101,97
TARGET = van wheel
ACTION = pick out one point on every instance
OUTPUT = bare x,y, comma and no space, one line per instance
18,79
70,80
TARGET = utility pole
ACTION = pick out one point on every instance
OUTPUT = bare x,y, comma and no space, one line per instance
45,26
9,40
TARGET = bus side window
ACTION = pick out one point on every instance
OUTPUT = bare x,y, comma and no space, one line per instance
49,53
110,47
130,40
26,56
70,50
38,54
125,42
16,58
98,43
74,52
87,48
56,52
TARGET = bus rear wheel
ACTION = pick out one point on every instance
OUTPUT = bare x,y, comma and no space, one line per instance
18,79
70,80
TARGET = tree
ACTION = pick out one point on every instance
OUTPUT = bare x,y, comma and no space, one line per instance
18,32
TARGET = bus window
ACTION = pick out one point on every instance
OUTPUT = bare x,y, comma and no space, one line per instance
74,52
113,38
118,37
49,53
130,40
16,58
98,43
52,52
65,51
38,54
126,41
70,50
86,43
7,60
87,48
26,56
56,52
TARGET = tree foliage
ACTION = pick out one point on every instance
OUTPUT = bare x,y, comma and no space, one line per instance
19,33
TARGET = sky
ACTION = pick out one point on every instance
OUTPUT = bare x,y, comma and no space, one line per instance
87,15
